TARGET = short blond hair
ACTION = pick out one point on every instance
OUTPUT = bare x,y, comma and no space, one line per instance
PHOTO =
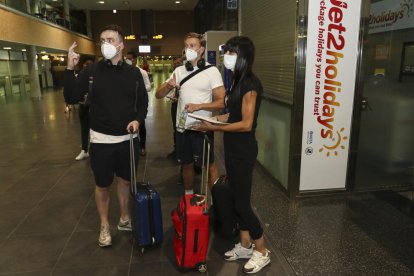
200,37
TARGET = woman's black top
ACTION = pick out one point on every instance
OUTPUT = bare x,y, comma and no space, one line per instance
242,144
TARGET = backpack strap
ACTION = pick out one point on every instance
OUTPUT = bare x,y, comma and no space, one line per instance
194,73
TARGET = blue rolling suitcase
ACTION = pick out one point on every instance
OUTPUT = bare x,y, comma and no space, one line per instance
146,216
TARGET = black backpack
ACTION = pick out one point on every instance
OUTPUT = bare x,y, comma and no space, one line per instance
224,213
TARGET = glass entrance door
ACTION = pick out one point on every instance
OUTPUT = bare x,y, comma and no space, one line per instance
385,158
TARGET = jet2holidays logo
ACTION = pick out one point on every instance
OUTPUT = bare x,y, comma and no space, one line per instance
329,74
330,146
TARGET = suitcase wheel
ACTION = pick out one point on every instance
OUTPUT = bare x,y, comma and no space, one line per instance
202,267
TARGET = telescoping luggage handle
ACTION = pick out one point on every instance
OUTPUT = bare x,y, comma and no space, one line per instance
204,180
132,162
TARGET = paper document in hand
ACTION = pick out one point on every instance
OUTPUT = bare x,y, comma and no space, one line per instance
207,119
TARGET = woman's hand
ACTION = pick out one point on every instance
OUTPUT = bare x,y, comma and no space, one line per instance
205,126
223,118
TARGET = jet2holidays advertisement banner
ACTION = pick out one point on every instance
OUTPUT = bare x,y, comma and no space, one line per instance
331,64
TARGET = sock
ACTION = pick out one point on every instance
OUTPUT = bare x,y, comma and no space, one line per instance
189,192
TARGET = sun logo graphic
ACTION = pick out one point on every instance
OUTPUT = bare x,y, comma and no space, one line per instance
337,143
407,6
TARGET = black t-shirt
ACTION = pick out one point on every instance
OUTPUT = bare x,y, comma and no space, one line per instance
243,144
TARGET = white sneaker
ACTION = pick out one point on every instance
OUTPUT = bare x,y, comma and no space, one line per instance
239,252
124,225
105,236
82,155
257,262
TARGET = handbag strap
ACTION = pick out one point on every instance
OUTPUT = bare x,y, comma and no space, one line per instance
194,73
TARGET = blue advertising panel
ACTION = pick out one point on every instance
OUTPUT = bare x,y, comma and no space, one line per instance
211,57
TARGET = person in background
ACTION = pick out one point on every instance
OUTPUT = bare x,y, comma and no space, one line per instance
240,149
84,118
118,104
201,94
131,59
173,96
68,108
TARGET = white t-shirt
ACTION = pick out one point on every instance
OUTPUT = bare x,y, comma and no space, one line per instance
197,90
146,79
100,138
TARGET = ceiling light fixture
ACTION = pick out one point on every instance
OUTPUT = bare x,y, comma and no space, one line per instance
158,36
114,11
23,50
178,2
101,2
7,48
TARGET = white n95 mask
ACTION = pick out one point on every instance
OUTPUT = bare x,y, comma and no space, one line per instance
128,61
108,50
229,61
190,54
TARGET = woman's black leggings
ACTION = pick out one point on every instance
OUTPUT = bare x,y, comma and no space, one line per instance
240,174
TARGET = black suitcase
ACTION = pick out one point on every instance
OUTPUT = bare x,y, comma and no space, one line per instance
224,213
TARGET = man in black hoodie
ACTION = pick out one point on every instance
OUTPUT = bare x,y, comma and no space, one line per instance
118,104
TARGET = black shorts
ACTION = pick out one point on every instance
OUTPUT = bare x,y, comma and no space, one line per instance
108,160
190,147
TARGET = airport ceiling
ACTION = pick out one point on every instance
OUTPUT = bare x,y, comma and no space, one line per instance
109,5
129,4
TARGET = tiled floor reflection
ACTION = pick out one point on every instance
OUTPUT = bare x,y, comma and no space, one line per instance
49,223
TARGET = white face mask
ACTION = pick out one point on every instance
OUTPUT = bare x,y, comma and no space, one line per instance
190,54
128,61
108,50
229,61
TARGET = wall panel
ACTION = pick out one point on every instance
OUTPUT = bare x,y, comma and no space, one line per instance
21,28
272,27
